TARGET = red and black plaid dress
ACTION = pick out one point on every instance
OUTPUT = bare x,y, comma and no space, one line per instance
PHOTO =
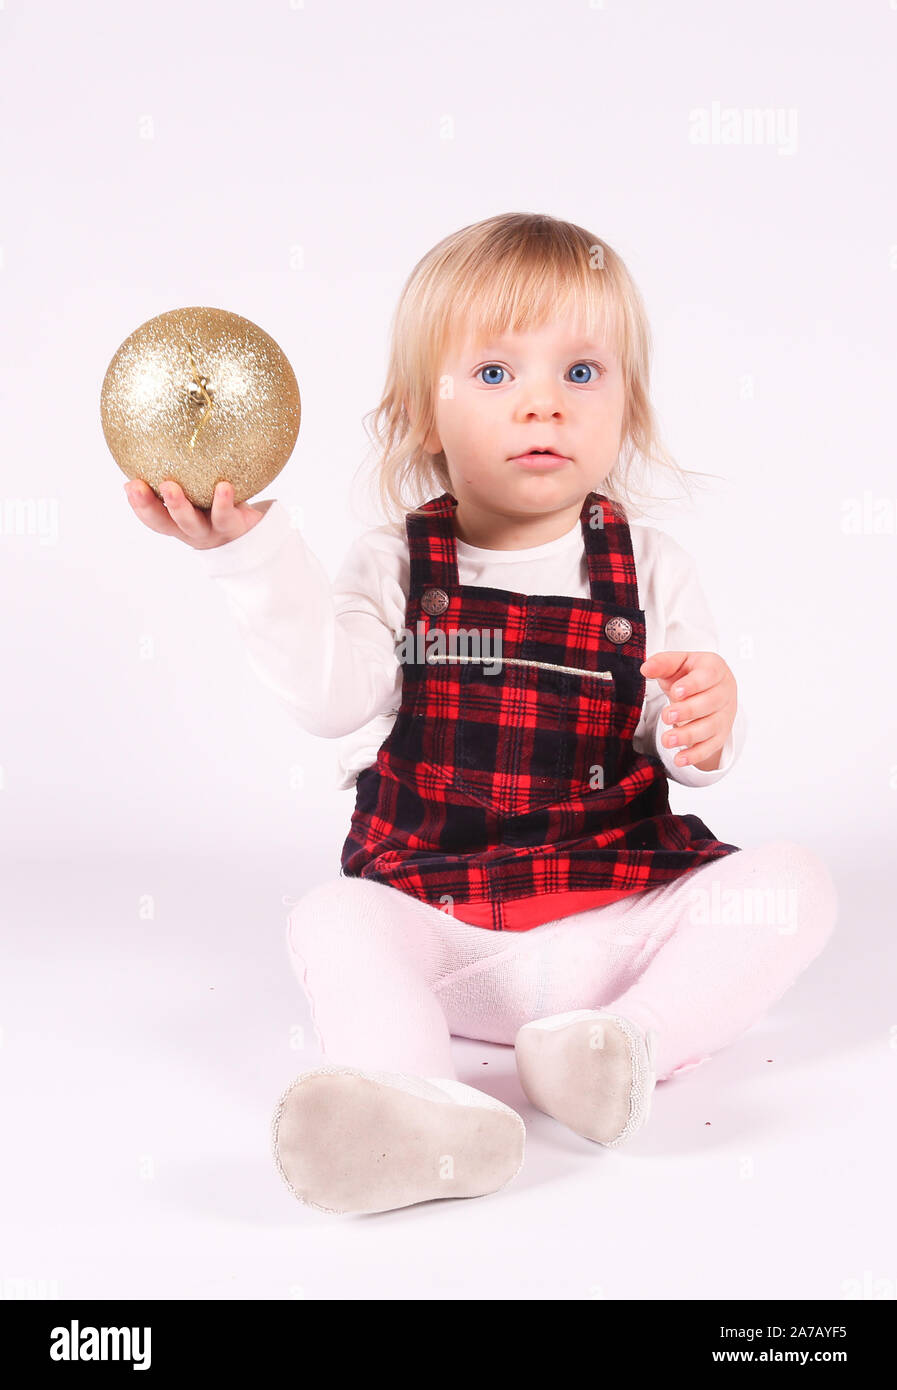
509,793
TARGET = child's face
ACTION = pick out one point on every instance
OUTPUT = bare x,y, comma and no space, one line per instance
547,388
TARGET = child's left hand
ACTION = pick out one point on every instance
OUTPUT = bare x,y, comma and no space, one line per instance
705,695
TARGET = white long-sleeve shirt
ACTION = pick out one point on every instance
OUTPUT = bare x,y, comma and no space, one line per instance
328,650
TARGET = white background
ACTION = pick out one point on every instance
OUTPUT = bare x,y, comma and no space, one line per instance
291,163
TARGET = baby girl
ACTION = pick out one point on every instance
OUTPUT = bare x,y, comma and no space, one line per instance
516,669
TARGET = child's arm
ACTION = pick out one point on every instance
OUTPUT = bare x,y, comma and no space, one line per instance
327,650
682,621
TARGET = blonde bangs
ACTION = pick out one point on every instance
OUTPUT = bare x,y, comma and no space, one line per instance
523,293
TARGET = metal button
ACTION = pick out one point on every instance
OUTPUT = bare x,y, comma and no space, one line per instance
434,601
618,630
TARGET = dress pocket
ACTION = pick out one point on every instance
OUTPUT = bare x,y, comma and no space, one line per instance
531,735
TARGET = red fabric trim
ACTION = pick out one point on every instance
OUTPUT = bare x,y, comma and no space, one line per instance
523,913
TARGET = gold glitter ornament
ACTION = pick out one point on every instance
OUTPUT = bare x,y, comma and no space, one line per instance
200,396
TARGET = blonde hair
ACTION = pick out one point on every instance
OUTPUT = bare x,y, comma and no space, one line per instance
510,273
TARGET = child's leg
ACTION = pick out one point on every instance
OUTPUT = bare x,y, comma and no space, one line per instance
724,942
365,955
385,1122
698,960
694,963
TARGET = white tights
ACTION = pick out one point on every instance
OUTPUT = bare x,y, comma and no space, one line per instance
389,978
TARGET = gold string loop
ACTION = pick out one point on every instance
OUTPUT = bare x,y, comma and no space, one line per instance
199,393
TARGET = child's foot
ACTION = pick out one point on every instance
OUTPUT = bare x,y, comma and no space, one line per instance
361,1141
593,1071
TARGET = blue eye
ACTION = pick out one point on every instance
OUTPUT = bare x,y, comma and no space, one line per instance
576,367
492,367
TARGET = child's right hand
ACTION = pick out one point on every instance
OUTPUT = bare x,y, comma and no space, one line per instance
202,529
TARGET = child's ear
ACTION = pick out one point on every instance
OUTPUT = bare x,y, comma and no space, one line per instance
432,443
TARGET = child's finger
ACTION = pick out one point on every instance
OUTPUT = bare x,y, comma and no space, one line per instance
695,732
702,676
188,518
222,512
149,509
707,701
699,752
230,521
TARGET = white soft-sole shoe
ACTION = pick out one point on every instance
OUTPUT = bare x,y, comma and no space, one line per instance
363,1141
592,1071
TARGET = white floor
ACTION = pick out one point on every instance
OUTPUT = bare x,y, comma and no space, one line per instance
145,1041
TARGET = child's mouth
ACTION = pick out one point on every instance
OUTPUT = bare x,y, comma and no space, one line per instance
541,462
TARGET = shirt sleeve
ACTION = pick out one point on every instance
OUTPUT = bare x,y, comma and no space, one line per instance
326,650
688,625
